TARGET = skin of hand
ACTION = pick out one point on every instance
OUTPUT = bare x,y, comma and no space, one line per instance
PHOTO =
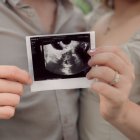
104,62
12,80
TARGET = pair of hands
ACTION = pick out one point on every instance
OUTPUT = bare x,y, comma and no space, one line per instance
105,62
113,98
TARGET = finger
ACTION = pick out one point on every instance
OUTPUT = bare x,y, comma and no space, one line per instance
109,92
118,51
111,60
10,87
107,75
9,99
6,112
102,73
15,74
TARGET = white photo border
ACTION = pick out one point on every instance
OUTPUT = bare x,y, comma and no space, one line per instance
71,83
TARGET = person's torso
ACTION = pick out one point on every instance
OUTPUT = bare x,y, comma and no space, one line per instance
124,36
46,115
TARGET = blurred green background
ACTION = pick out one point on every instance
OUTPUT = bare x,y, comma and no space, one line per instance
85,5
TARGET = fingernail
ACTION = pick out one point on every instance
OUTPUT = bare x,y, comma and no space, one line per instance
89,62
87,76
30,80
92,52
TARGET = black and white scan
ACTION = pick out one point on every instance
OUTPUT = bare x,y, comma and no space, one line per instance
60,56
66,57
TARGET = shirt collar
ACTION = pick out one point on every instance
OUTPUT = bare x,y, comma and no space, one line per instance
25,10
18,3
15,2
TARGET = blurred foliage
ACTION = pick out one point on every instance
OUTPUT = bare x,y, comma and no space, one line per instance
85,5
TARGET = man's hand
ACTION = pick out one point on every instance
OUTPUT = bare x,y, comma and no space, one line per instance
12,80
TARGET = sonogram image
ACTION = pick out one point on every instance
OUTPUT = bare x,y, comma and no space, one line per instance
62,56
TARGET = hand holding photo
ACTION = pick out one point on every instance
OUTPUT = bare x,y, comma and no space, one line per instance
59,61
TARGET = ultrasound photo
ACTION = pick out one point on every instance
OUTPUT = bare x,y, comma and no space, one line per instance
58,57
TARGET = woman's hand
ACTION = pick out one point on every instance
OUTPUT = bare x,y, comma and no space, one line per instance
115,75
12,80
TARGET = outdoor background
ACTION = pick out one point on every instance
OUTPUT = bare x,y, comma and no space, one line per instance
85,5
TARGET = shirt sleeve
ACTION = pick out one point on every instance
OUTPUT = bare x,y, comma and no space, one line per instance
132,48
76,22
98,12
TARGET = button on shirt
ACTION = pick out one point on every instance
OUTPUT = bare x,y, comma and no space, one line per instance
45,115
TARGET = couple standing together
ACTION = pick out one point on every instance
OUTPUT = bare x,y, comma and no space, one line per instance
71,114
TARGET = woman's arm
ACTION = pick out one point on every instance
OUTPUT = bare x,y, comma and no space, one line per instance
129,121
111,63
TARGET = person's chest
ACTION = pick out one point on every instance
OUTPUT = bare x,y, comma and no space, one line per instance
118,35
